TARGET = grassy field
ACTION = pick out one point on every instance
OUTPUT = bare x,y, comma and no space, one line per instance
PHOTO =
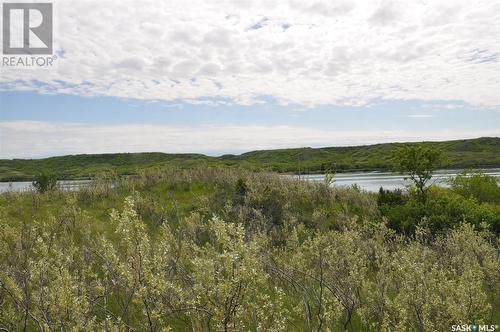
221,249
473,153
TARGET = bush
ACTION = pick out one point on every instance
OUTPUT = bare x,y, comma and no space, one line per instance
326,264
389,197
363,278
45,182
443,210
481,186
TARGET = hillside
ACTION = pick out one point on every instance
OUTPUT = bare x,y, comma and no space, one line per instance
480,152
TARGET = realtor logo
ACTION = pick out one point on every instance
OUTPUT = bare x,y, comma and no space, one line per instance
27,28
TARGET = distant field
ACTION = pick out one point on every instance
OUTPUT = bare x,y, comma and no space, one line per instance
472,153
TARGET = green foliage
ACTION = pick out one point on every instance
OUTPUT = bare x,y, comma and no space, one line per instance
418,162
471,199
45,182
476,185
329,177
218,250
388,197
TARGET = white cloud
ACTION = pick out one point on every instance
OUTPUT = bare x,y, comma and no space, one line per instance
421,116
31,139
306,52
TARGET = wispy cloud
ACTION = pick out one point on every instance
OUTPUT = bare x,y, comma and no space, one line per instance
482,56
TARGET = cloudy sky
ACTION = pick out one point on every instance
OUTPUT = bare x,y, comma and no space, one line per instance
231,76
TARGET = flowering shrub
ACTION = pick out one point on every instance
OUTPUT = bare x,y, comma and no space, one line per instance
226,261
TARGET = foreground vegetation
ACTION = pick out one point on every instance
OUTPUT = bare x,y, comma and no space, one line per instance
215,249
473,153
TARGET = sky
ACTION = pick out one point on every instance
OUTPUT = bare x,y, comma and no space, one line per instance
220,77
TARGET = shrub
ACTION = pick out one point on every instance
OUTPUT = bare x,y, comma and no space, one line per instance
389,197
45,182
444,209
481,186
327,264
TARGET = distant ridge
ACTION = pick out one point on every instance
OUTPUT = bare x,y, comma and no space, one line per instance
481,152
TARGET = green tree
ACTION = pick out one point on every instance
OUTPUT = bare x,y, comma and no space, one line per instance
419,163
45,182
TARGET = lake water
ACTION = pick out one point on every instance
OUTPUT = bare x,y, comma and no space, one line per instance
370,181
20,186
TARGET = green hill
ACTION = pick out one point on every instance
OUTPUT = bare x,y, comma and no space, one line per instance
480,152
471,153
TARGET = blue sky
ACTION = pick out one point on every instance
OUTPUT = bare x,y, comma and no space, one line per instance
220,77
103,119
412,115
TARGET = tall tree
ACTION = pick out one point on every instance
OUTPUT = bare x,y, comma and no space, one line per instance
419,163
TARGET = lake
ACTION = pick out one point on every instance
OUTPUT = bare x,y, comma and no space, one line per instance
372,181
68,185
369,181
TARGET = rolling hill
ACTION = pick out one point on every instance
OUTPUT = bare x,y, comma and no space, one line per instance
470,153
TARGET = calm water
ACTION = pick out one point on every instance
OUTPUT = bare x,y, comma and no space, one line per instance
372,181
68,185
